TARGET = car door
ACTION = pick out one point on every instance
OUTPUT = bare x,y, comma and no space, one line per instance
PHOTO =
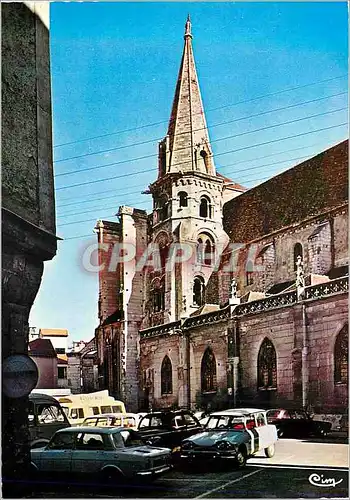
250,426
57,456
88,456
49,418
303,424
267,433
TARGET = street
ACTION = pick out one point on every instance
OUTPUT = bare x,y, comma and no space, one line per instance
299,469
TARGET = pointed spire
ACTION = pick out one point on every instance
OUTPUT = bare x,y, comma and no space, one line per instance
187,146
188,28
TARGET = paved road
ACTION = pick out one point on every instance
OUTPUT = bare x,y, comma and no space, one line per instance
286,475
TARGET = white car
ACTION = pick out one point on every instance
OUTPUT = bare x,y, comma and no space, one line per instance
130,420
231,436
108,454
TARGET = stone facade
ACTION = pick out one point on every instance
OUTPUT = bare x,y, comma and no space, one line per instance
206,303
28,211
303,333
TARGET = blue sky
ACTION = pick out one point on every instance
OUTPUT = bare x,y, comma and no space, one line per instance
114,69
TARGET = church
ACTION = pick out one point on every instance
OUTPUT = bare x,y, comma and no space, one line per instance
223,296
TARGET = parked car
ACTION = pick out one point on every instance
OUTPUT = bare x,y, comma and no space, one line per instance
231,436
168,428
108,454
129,420
344,423
45,417
297,424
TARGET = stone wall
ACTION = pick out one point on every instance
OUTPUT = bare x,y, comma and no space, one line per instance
271,259
134,231
278,327
215,337
152,353
302,333
28,208
325,319
341,238
74,372
109,274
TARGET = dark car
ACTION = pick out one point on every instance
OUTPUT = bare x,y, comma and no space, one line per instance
45,417
297,424
168,428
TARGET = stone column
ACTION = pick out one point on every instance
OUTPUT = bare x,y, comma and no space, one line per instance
28,205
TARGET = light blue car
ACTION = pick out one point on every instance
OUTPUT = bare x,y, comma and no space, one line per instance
108,454
231,436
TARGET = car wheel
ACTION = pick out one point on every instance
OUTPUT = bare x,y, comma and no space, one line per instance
270,451
322,433
111,476
241,458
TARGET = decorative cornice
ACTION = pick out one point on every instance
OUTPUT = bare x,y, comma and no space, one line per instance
165,329
279,301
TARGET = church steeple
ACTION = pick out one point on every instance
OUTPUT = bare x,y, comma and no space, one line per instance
186,147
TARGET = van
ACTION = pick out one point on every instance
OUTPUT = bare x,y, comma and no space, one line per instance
80,406
45,417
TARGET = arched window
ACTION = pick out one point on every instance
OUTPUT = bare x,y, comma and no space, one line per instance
341,356
162,158
166,376
298,250
162,207
249,274
158,294
208,371
183,199
205,250
198,291
208,253
267,366
163,254
204,155
199,250
205,208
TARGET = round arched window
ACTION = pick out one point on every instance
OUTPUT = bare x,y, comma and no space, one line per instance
183,199
198,291
205,207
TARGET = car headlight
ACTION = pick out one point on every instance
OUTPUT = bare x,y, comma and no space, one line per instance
187,445
224,445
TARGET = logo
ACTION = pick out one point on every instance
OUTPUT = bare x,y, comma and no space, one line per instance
323,482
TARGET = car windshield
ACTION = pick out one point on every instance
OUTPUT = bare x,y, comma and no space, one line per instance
273,414
131,438
225,422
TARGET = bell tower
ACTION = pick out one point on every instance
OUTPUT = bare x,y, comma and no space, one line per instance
186,222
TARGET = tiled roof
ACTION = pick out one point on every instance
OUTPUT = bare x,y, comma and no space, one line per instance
41,348
53,332
314,186
230,183
62,358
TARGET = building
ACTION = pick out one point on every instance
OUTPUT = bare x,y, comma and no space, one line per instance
75,365
59,340
82,368
223,296
28,207
43,354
